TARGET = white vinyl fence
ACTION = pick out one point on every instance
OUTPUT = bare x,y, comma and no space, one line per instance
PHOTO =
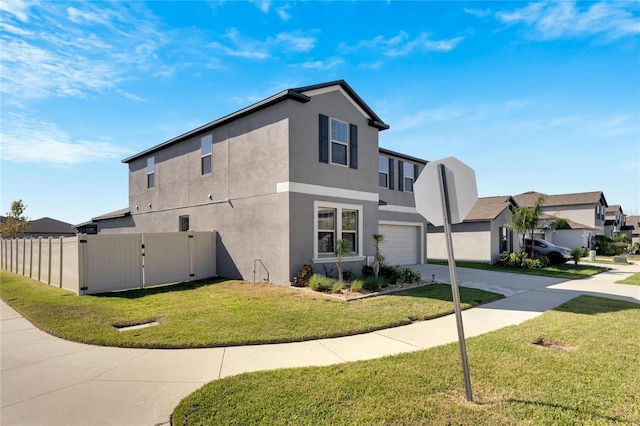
90,264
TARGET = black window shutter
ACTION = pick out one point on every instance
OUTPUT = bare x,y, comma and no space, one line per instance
400,175
415,172
324,138
392,175
353,146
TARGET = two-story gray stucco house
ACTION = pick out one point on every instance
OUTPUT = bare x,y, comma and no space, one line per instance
281,181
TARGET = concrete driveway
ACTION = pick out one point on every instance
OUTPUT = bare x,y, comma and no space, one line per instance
49,381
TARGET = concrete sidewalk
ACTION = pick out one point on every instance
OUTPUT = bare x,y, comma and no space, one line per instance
49,381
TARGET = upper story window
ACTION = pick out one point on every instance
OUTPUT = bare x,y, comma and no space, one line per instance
205,154
409,177
339,142
383,172
151,171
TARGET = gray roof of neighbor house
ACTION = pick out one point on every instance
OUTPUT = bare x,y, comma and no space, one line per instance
635,222
49,226
118,213
528,199
547,219
614,208
401,155
296,94
488,208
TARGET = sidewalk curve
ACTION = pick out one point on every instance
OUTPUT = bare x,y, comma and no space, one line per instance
50,381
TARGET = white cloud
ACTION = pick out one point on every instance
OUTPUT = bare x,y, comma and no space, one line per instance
49,55
251,48
610,20
297,43
282,12
323,65
17,8
28,140
439,114
401,44
480,13
263,5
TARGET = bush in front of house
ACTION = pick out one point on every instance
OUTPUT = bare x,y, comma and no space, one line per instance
409,276
304,275
576,254
523,260
357,285
319,282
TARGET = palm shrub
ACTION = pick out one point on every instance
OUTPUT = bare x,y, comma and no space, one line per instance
409,276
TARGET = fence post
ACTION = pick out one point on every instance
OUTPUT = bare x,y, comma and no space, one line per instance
61,259
49,239
142,253
191,255
39,258
24,253
30,257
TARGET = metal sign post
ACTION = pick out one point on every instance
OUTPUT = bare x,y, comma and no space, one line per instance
444,197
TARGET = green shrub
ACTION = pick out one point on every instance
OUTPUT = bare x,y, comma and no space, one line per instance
576,254
409,276
319,282
605,246
357,285
337,287
374,284
367,271
304,275
387,271
513,260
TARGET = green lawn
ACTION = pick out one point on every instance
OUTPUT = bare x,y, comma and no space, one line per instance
633,280
584,370
568,271
220,313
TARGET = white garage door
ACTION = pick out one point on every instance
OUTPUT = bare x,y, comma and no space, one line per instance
400,245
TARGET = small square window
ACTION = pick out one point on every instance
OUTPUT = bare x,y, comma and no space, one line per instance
338,153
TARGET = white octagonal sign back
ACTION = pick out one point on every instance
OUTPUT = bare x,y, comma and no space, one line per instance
461,189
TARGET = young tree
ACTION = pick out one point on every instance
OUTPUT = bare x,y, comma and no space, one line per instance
378,258
341,250
15,223
525,219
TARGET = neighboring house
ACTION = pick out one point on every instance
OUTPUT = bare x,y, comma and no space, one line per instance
615,220
633,222
584,213
281,181
48,227
483,234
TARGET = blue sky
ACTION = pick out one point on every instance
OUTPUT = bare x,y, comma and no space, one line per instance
533,96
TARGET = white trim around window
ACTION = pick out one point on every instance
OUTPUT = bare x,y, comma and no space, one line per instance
337,208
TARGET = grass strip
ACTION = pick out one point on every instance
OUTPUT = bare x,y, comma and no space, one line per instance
566,271
215,313
577,364
633,280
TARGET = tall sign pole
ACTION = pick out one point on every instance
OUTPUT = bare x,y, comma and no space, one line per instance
446,214
444,194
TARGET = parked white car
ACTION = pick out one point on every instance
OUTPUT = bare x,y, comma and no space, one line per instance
556,254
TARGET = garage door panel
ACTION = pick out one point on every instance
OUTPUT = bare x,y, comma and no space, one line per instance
400,244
